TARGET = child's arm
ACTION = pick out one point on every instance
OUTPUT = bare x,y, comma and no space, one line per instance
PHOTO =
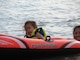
38,35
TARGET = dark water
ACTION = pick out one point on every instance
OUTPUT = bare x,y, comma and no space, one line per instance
58,17
40,57
66,57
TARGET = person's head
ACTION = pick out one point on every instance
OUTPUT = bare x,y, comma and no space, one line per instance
29,26
76,33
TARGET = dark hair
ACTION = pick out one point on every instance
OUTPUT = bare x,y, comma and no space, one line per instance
76,27
33,23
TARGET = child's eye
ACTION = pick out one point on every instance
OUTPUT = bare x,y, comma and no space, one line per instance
77,33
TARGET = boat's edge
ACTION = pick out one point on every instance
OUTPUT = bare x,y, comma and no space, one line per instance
41,52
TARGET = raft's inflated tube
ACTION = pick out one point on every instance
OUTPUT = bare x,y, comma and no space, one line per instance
9,41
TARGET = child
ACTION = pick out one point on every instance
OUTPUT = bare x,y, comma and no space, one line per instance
32,31
76,33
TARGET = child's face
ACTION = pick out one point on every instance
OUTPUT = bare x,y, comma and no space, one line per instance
76,34
29,29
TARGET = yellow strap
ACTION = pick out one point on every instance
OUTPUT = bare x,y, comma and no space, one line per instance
33,33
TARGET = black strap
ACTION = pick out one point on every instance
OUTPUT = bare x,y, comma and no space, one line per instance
28,36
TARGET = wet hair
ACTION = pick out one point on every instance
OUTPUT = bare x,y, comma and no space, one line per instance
76,27
33,23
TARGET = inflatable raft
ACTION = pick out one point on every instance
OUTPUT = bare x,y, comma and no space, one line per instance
15,44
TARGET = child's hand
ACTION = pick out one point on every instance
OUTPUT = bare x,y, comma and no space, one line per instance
27,33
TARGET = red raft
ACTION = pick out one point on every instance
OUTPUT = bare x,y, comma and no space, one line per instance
13,44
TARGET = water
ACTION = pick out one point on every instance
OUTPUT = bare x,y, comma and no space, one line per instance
58,17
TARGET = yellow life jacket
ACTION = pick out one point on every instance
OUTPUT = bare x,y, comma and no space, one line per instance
33,34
